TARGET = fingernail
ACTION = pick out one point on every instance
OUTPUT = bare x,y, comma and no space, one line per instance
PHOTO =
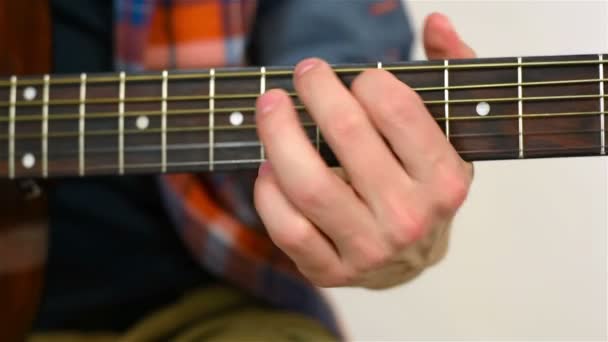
305,66
268,101
265,169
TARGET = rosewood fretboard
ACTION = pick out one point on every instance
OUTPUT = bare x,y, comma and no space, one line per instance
69,125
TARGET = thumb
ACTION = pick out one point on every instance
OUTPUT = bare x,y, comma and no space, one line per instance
441,41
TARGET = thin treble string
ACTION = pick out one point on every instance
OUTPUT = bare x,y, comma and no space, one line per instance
175,112
243,144
257,143
289,72
245,96
201,129
135,166
464,153
305,124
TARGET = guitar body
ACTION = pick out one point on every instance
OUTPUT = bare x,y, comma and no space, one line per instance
23,244
24,49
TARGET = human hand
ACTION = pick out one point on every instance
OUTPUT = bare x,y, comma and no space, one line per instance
402,181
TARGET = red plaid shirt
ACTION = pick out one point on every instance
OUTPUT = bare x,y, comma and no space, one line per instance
227,239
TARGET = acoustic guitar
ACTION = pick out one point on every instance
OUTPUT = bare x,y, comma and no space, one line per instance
25,48
54,126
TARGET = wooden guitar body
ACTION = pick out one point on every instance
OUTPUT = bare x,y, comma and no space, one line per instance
24,49
23,244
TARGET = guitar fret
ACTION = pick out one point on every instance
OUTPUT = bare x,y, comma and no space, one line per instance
45,126
446,97
520,107
11,128
262,91
211,117
164,121
602,108
121,124
81,124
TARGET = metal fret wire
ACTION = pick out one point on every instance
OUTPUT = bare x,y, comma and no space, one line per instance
121,125
81,124
338,70
45,126
165,93
211,115
602,104
520,109
446,97
11,129
262,91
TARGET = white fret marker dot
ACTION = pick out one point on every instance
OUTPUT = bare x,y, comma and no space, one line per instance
142,122
28,160
236,118
29,93
483,108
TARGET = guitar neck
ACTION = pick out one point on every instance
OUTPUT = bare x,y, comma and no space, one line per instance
194,121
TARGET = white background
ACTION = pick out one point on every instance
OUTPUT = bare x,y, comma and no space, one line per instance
527,260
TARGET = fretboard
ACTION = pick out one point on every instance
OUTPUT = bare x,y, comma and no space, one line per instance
196,121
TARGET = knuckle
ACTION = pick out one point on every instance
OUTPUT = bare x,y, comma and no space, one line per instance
313,194
411,226
371,256
398,107
299,238
400,236
345,123
406,224
454,187
367,80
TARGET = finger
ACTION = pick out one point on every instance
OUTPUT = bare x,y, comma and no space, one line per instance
441,41
327,201
399,113
347,130
292,232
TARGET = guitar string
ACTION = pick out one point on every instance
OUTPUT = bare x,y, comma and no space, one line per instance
242,128
591,149
247,96
494,153
154,147
175,112
289,72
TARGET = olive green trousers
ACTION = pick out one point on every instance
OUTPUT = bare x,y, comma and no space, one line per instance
214,315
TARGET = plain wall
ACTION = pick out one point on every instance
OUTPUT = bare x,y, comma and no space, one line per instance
527,260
